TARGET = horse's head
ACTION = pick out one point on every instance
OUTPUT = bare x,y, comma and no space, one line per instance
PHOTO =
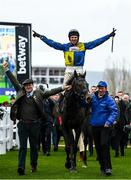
80,85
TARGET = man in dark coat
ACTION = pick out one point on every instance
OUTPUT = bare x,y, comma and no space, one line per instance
28,109
121,137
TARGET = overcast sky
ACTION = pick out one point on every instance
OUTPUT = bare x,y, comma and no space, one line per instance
93,19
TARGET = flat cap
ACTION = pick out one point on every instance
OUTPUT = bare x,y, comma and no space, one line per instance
27,81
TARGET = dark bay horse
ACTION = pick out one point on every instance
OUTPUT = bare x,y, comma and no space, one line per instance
73,118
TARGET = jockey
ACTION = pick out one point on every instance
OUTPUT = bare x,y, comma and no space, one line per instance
74,51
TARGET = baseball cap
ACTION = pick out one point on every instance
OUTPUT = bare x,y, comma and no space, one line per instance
102,84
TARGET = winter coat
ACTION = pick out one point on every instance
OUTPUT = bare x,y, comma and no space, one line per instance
38,96
104,110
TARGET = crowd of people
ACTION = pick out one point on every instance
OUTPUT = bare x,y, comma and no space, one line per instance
38,110
46,131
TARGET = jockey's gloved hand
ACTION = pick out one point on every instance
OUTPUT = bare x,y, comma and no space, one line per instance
35,34
112,34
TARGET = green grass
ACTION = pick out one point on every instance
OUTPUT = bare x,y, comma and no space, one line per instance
52,167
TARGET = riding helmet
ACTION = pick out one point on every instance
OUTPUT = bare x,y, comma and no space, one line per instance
73,32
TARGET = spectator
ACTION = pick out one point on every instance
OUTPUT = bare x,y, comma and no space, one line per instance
127,100
93,89
104,113
46,123
28,109
121,135
12,99
57,120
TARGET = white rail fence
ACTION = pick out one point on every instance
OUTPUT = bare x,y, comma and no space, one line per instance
8,132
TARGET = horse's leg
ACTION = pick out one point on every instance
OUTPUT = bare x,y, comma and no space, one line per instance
86,141
85,133
68,162
72,152
85,153
67,148
73,160
70,144
74,149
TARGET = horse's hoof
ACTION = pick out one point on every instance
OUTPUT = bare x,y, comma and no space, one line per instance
84,166
67,165
73,170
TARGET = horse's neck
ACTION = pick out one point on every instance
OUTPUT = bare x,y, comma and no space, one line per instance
72,100
71,96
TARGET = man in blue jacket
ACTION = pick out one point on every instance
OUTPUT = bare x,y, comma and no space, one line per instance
104,113
74,51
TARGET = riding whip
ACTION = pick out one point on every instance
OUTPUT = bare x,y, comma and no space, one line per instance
112,44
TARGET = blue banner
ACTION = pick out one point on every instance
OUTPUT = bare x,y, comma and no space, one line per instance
7,91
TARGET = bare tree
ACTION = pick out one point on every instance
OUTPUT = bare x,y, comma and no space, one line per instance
118,76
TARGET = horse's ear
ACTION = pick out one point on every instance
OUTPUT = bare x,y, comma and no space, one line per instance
84,75
75,74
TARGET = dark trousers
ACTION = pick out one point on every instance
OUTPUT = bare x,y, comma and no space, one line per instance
90,140
46,129
56,135
102,144
25,131
120,141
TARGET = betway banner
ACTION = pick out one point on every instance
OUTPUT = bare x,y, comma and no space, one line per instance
23,52
7,91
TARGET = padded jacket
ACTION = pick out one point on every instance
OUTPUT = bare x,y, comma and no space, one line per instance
104,110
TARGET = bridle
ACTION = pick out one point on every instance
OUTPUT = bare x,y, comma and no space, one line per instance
79,86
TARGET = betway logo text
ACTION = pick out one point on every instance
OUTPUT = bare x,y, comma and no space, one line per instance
22,55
